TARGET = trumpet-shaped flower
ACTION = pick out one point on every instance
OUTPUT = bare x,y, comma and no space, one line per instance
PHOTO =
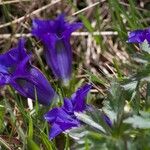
139,36
17,71
55,35
64,118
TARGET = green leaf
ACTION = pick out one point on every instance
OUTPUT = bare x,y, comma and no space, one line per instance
30,131
47,143
138,122
130,86
2,113
116,97
145,46
32,145
88,120
116,65
96,78
67,143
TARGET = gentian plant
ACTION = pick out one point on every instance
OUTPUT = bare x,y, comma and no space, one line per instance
138,36
64,118
117,113
55,36
16,70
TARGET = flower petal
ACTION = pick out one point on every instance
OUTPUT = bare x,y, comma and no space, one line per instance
4,79
59,25
148,35
71,28
55,130
29,81
10,59
52,115
68,107
61,126
78,98
59,56
107,119
137,36
41,27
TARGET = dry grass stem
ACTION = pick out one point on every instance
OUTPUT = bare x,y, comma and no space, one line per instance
12,2
109,33
86,8
29,15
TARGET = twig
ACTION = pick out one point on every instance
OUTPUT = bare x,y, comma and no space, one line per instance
95,33
2,141
12,2
128,5
86,8
6,36
29,15
43,8
106,33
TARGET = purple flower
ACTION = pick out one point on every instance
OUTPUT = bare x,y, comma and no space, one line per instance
55,35
63,118
107,120
17,71
138,36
